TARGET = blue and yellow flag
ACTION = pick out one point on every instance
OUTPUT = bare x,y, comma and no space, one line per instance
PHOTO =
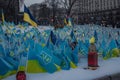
5,67
51,40
53,37
72,35
3,18
46,58
28,17
69,22
95,36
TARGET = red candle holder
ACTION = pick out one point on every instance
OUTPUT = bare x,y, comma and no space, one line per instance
92,59
21,75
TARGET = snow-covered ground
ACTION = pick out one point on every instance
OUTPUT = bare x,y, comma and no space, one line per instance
107,67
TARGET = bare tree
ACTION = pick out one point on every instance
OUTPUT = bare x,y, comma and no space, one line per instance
68,4
58,5
54,5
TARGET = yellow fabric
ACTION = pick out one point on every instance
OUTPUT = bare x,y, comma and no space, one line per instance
43,45
27,19
92,40
21,26
83,34
58,67
72,65
107,56
69,23
27,49
8,31
8,74
34,67
11,53
65,21
15,31
24,38
11,27
115,52
21,68
28,35
3,18
31,33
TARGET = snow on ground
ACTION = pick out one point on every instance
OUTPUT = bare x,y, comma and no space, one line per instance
107,67
43,28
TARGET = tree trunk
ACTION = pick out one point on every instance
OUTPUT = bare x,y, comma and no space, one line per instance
70,7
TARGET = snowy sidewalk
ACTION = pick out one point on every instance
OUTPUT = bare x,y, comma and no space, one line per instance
107,67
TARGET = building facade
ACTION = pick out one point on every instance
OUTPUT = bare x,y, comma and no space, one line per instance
10,9
98,11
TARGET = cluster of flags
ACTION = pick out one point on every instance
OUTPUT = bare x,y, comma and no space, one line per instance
13,46
22,46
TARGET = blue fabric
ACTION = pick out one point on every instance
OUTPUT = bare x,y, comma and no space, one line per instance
83,48
53,37
73,36
13,62
46,58
50,43
75,54
103,48
118,43
4,67
65,64
33,52
45,61
112,44
95,36
68,52
2,53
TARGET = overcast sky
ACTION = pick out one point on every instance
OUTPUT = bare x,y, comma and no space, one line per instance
29,2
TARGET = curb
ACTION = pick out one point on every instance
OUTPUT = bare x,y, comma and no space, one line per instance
110,77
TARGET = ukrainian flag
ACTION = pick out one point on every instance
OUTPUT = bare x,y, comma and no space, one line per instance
65,22
3,18
28,17
69,22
